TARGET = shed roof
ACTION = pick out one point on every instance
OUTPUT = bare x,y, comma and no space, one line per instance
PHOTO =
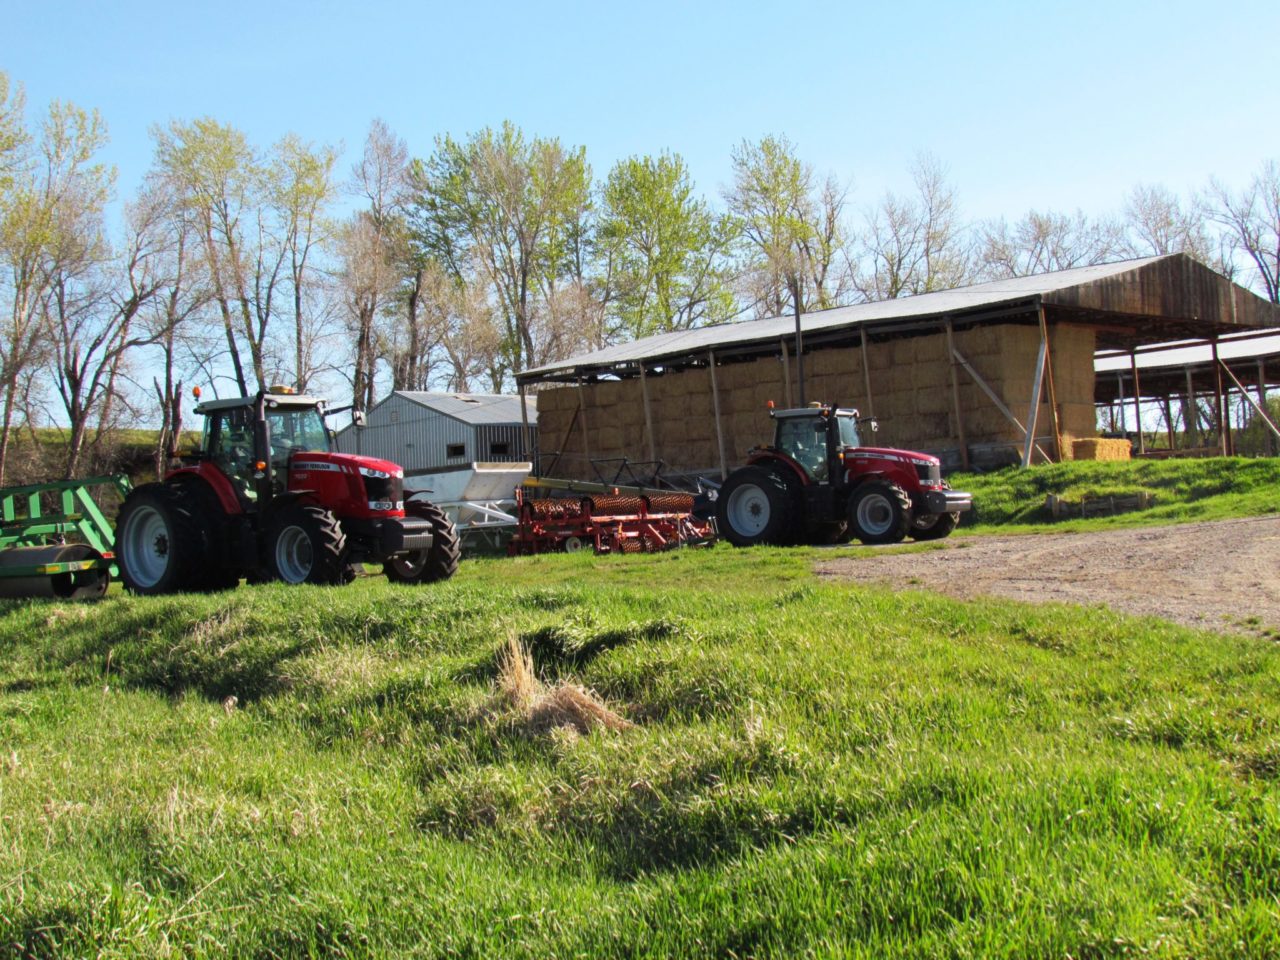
1132,302
472,408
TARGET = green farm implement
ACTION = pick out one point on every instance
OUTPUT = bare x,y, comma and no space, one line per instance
55,541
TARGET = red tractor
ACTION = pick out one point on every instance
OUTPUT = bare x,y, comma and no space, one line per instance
267,497
818,484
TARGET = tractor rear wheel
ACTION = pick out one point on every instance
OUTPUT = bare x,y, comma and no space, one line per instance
755,507
305,544
159,544
933,526
437,562
879,512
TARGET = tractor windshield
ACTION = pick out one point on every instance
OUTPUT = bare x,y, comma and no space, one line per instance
848,432
295,430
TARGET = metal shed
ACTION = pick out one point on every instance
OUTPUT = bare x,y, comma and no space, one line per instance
427,432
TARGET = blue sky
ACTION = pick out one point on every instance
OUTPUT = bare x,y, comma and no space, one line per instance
1028,104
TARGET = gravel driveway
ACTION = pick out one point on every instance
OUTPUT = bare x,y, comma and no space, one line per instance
1222,574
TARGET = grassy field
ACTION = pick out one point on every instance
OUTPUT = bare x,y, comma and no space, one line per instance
813,769
1216,488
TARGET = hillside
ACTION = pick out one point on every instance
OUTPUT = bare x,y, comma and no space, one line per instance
814,769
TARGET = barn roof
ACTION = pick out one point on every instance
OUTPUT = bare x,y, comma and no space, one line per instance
476,409
1131,302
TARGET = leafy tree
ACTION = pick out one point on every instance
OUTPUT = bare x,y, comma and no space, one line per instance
795,231
667,248
50,230
512,208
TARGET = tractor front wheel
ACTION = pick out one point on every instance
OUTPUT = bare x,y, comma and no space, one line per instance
159,544
305,544
933,526
437,562
754,507
879,512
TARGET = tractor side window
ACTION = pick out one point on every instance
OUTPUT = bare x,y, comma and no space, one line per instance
232,449
293,431
849,432
804,439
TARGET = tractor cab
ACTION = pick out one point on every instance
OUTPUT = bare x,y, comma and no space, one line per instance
250,439
815,437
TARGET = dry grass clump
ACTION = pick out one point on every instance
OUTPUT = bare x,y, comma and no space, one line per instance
542,708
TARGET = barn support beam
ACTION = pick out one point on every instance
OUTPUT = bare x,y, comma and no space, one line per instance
715,406
1192,412
1262,399
582,410
524,423
648,417
1037,385
1257,408
1219,408
994,398
1137,402
1053,394
786,373
866,374
955,395
1124,428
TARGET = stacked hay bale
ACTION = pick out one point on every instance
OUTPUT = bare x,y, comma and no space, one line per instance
911,397
1100,448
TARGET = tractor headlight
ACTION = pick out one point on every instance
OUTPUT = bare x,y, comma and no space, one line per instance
375,474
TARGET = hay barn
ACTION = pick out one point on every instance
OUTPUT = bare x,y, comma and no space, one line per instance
958,373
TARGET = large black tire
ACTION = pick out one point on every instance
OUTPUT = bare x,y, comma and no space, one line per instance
440,561
755,506
933,526
160,546
305,544
216,570
879,512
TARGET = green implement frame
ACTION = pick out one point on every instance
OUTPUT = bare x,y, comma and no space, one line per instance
75,517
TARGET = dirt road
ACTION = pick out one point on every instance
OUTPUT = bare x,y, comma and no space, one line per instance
1223,575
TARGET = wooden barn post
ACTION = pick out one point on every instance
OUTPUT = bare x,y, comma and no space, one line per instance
866,374
1137,401
1219,408
1053,394
715,406
786,373
648,416
1037,385
955,396
582,409
1193,412
524,421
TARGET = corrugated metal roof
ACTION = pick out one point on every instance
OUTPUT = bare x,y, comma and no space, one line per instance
960,300
473,408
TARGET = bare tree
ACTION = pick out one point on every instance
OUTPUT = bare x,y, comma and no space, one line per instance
916,244
1043,242
1157,223
1251,219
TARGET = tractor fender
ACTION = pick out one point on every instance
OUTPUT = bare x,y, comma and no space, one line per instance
213,479
783,465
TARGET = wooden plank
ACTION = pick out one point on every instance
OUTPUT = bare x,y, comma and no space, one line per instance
955,396
715,404
1036,387
992,396
1193,413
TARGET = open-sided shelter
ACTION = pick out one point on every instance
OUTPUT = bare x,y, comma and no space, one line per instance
993,373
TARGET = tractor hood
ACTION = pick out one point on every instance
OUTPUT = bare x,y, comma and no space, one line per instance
348,463
912,457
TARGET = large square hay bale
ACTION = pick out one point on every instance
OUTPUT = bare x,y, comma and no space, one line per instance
1100,448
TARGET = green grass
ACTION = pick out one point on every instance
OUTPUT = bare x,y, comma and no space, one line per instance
1216,488
817,769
